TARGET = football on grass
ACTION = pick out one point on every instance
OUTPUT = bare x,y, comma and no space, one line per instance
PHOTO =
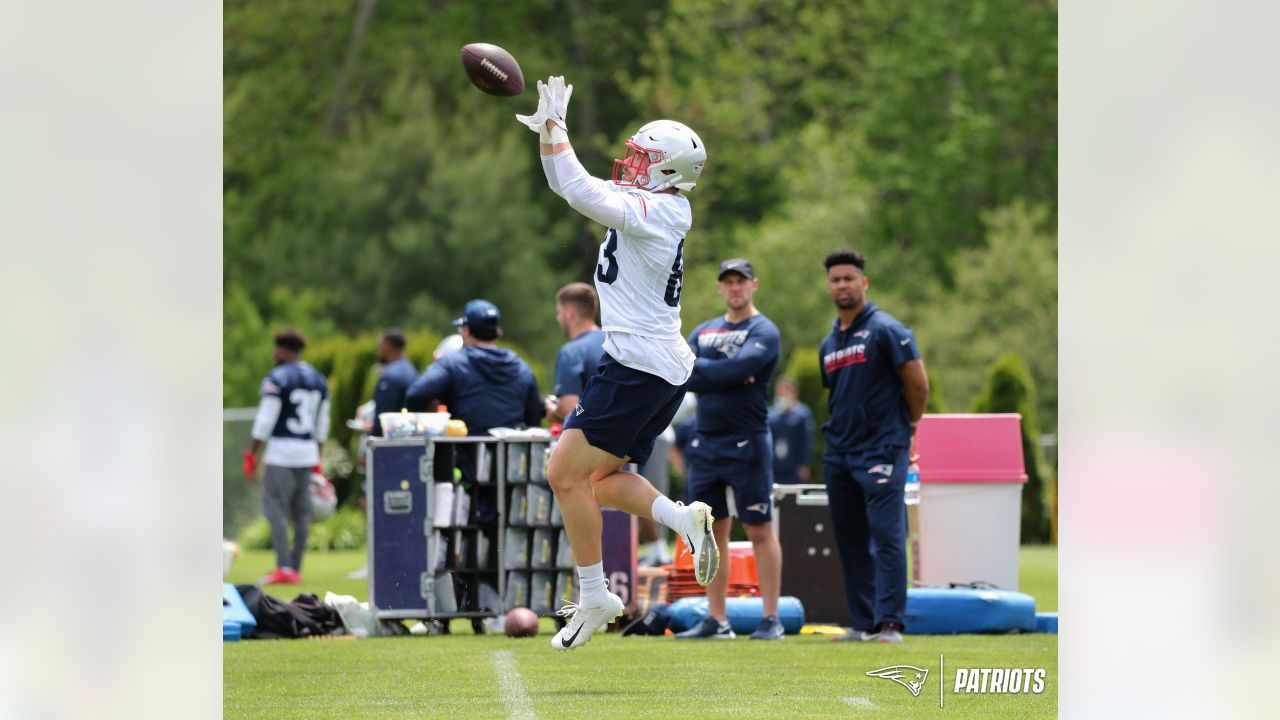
492,69
521,622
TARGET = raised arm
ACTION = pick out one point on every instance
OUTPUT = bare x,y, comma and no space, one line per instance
567,178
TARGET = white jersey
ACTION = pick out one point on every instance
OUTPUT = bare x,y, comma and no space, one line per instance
640,270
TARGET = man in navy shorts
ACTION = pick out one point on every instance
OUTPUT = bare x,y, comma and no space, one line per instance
639,276
731,456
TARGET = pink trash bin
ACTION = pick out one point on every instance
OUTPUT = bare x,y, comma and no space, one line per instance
971,478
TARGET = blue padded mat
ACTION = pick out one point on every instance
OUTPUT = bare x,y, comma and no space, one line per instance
949,611
743,613
235,612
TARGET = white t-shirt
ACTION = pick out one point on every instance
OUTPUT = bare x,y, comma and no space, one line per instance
640,270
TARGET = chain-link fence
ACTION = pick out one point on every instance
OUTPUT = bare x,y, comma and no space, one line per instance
241,500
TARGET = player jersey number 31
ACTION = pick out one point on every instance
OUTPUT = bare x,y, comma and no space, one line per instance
607,268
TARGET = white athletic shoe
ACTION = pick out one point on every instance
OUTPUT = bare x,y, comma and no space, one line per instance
584,620
702,543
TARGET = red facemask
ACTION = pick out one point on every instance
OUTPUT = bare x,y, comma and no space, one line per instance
638,159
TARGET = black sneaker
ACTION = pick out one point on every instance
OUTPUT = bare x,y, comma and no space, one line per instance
770,629
708,628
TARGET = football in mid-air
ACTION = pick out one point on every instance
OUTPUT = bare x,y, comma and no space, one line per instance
492,69
521,622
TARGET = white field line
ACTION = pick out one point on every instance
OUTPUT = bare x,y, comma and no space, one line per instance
519,706
858,703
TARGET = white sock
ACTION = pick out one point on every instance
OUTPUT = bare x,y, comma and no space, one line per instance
591,584
668,513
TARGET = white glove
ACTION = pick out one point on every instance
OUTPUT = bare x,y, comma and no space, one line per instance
537,122
558,107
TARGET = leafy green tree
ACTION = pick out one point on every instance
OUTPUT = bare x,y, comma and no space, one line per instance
1005,299
1009,390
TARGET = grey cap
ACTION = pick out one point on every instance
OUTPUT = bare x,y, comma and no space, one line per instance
738,265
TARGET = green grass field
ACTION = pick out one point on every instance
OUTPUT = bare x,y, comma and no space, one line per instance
465,676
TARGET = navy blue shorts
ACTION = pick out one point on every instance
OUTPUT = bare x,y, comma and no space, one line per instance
743,463
623,410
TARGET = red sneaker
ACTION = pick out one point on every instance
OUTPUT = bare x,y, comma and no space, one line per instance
282,576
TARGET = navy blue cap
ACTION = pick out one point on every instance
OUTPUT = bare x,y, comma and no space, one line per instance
479,313
738,265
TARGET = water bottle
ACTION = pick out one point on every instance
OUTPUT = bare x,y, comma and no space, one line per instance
912,489
911,494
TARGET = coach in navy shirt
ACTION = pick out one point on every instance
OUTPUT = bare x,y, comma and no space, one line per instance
791,423
731,456
877,393
484,385
578,359
397,375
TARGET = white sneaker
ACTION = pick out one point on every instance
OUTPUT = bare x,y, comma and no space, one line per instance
702,543
584,620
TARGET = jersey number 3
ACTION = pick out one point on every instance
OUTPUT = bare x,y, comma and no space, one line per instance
607,272
307,402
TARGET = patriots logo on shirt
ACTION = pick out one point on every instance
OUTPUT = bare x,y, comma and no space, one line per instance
864,334
270,387
729,342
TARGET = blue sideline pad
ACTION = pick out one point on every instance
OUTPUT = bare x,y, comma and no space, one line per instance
235,613
950,611
744,614
1047,622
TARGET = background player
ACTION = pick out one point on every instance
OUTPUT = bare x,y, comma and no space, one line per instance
293,420
579,358
731,455
646,362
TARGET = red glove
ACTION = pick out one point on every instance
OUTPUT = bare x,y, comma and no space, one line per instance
318,469
250,465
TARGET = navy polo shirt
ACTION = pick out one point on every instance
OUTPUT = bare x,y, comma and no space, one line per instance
577,361
728,354
792,441
860,370
388,395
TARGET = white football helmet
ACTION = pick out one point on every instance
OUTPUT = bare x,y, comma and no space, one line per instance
662,154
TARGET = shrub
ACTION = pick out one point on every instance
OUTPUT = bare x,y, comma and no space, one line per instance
1009,389
344,530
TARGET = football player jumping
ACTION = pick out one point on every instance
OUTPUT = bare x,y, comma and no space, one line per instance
646,362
